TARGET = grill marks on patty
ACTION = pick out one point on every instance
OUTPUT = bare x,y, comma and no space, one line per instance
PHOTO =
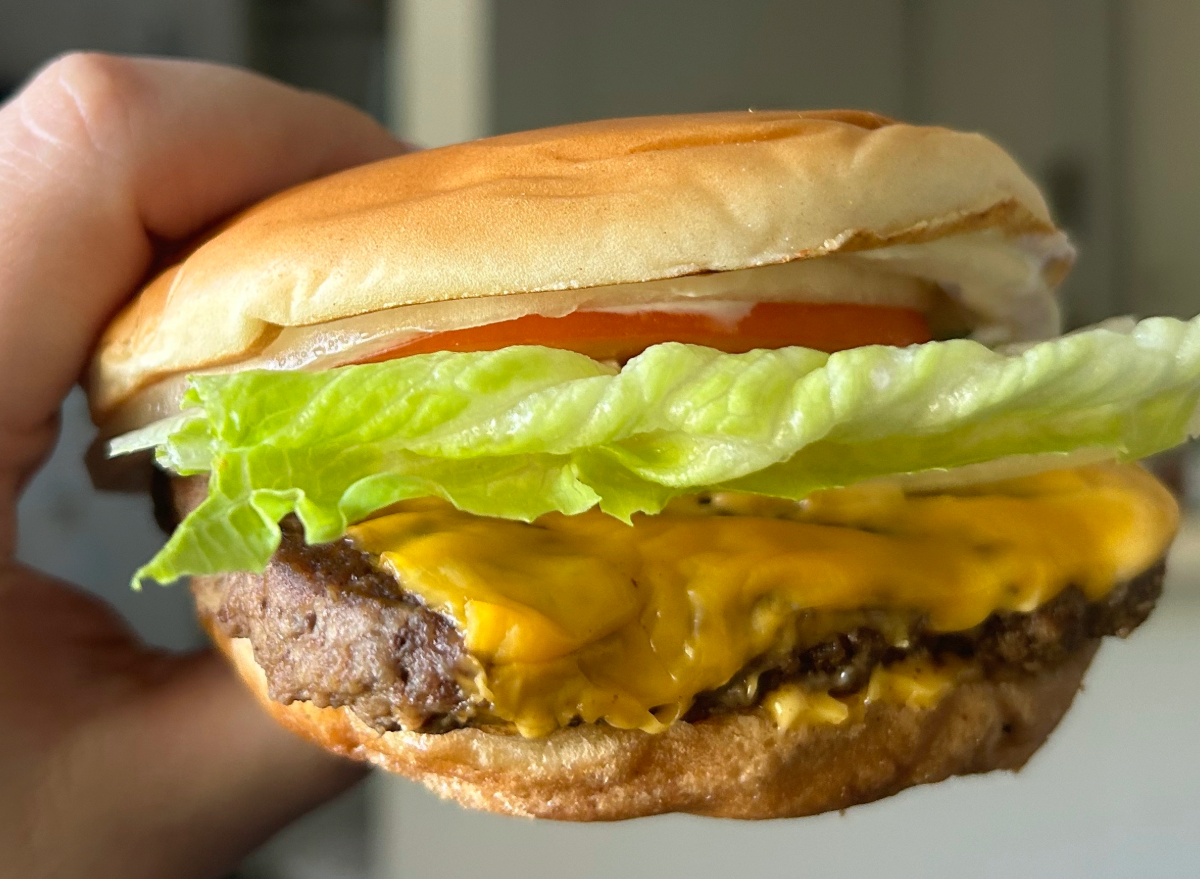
330,628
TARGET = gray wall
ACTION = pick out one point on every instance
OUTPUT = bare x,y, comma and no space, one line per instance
334,46
1040,78
33,30
561,62
1161,142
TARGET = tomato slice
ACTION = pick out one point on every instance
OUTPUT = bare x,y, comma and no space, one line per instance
608,335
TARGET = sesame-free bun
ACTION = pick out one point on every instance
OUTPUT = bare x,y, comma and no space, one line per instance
732,766
566,209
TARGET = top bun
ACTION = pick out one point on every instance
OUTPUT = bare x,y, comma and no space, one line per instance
598,203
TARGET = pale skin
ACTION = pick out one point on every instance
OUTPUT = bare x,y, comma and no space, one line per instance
116,759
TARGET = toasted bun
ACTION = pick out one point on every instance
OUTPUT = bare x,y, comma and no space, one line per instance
581,206
734,766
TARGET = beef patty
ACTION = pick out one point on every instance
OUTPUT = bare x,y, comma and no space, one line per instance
328,627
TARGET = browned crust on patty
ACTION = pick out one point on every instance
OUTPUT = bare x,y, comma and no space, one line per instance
329,628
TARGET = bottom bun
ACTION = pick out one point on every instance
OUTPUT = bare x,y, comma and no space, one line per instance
732,766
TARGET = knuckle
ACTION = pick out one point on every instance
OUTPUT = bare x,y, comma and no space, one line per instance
87,96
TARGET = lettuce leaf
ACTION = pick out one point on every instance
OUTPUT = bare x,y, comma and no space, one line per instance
526,430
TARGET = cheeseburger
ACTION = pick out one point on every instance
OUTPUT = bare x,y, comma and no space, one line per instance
729,464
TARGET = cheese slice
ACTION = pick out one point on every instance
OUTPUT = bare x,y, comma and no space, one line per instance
586,618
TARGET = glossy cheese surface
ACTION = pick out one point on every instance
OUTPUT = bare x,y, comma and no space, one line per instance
584,617
915,683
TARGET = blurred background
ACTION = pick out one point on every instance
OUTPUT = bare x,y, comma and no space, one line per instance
1098,99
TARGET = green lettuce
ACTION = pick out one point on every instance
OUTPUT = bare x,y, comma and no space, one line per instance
526,430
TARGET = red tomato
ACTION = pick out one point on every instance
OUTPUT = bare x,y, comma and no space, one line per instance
607,335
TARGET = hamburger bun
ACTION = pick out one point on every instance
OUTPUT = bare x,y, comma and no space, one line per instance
729,766
828,207
571,209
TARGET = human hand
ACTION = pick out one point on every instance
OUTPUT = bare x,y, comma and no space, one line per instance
117,759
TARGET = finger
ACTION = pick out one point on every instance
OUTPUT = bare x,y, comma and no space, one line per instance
99,157
193,775
191,772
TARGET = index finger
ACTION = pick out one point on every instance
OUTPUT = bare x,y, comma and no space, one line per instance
99,157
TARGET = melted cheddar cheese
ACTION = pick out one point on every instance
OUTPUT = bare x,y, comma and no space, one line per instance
584,617
914,683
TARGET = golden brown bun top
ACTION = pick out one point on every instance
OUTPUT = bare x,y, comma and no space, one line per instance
585,205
